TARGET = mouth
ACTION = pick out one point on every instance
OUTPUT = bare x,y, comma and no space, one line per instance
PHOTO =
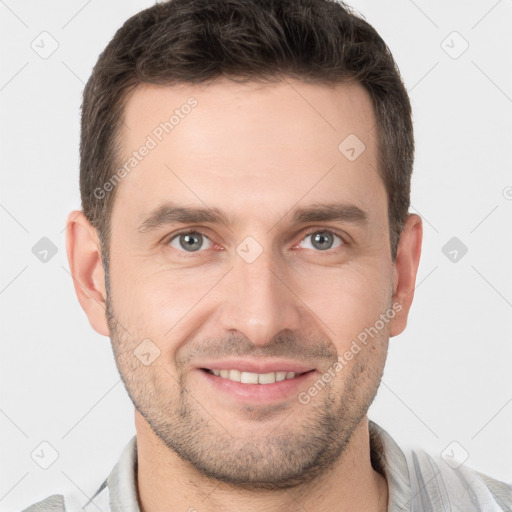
256,388
254,378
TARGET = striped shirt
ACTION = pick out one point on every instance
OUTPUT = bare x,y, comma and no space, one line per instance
417,482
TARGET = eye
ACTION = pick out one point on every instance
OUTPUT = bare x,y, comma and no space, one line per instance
189,241
323,240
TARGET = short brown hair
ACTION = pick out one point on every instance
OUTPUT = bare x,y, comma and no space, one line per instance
193,41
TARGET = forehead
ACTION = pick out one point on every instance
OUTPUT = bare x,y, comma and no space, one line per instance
240,146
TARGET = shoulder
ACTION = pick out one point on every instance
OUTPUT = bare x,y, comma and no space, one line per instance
447,484
54,503
121,482
419,481
74,502
501,491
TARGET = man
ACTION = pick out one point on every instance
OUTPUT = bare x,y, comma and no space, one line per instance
245,242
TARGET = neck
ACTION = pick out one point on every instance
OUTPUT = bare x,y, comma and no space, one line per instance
166,482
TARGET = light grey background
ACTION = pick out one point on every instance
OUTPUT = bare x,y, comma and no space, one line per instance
448,376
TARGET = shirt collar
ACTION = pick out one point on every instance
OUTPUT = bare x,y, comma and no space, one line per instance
388,459
122,481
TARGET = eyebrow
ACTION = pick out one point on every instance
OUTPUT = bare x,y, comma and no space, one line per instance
170,213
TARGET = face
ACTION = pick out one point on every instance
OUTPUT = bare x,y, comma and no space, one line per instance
246,246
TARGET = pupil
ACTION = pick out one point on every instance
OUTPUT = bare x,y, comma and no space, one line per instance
321,237
192,241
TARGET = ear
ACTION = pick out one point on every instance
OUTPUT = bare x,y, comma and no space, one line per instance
404,272
84,256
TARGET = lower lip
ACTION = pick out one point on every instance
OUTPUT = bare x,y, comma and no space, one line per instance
260,393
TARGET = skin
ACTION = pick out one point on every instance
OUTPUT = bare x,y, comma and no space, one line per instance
254,151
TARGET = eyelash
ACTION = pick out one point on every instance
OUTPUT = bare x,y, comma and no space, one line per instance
197,231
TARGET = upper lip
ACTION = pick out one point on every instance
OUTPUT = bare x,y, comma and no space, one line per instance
254,366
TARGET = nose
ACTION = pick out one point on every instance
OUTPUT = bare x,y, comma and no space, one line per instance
260,299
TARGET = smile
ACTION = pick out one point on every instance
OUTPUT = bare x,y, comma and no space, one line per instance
252,378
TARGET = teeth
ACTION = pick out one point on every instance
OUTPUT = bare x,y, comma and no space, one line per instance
267,378
234,375
248,378
253,378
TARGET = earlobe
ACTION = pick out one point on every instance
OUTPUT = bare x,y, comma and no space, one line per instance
405,269
84,257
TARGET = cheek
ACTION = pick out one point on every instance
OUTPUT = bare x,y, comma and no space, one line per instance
157,301
348,300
